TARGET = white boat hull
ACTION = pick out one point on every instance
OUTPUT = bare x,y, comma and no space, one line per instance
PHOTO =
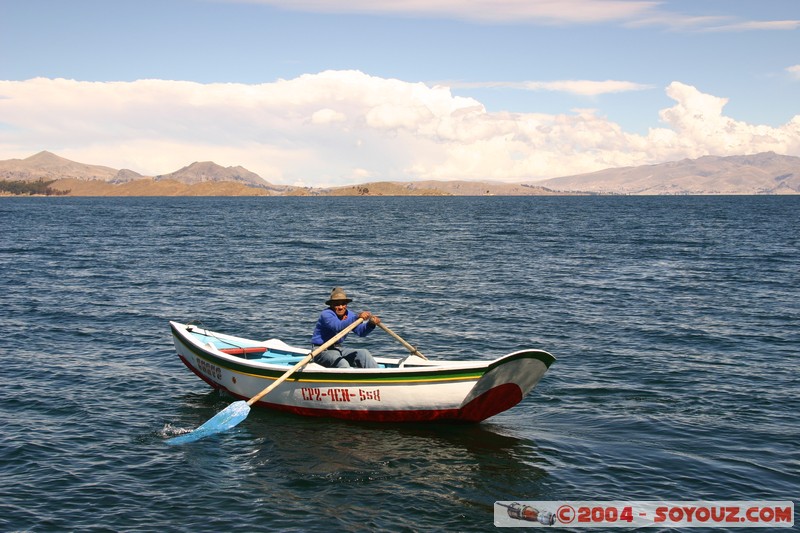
401,390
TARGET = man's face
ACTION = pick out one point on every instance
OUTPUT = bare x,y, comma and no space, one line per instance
340,308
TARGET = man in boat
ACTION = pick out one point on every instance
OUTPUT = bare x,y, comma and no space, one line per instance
333,320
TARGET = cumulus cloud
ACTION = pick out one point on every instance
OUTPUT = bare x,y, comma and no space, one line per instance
342,127
327,116
697,126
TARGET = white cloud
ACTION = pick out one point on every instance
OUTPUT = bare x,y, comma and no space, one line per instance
794,71
327,116
589,87
698,127
549,12
578,87
709,23
756,25
339,127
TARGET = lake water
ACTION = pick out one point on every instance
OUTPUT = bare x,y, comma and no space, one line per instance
675,322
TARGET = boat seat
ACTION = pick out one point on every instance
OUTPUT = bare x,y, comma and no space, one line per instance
263,355
285,360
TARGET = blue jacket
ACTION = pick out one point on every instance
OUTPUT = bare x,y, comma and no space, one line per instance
329,325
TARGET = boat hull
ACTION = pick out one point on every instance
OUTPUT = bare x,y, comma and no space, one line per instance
413,390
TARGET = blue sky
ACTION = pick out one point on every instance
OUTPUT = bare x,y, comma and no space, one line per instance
320,92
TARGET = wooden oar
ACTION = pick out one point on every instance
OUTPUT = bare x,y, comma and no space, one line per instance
410,348
238,411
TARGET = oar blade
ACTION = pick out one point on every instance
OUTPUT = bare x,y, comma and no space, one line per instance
222,421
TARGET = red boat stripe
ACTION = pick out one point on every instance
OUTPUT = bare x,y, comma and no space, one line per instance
241,351
491,402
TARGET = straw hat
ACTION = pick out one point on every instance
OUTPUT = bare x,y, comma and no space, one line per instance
338,295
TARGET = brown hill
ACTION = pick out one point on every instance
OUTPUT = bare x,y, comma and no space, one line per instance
126,175
380,188
48,166
197,179
483,188
764,173
199,172
433,188
210,179
150,187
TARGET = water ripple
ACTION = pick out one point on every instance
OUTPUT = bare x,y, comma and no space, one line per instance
674,321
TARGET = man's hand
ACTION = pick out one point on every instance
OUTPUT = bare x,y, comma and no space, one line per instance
366,315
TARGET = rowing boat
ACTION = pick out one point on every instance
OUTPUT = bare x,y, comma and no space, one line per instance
402,389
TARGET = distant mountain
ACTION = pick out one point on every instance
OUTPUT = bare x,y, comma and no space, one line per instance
200,172
764,173
125,175
434,188
48,166
482,188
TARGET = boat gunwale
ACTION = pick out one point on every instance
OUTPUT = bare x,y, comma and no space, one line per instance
451,371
